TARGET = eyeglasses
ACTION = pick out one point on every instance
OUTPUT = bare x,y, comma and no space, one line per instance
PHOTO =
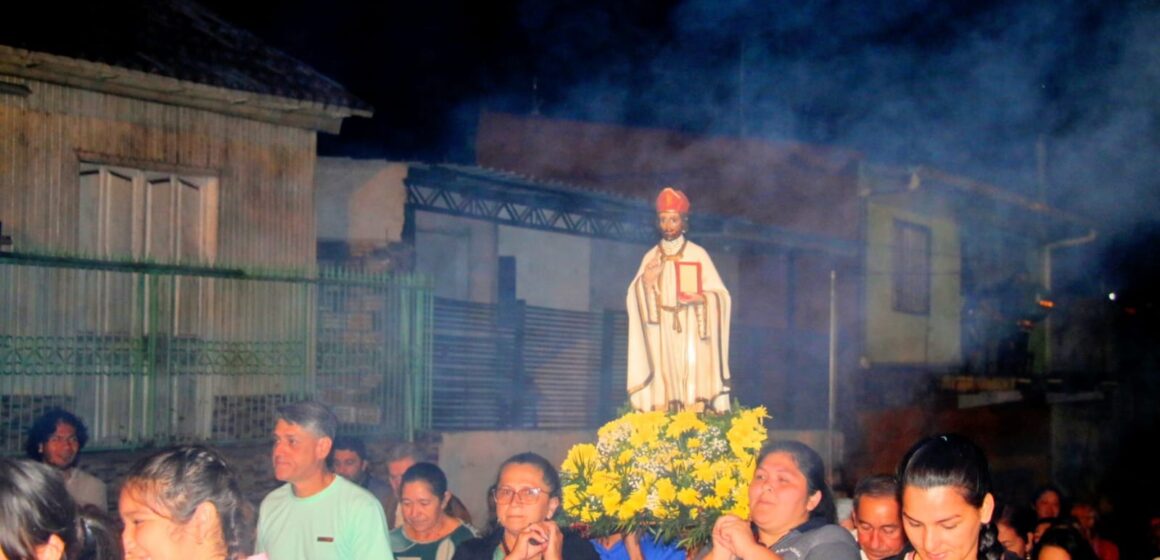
506,495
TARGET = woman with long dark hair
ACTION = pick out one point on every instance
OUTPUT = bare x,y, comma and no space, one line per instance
40,521
947,506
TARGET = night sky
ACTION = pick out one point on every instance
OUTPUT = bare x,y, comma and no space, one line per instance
970,87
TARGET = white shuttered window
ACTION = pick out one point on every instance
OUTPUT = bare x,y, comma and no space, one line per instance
135,214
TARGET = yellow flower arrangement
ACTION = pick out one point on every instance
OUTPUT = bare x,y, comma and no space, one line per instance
670,474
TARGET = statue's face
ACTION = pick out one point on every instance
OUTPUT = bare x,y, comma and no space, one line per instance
671,224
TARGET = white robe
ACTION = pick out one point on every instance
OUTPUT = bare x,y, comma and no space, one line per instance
690,367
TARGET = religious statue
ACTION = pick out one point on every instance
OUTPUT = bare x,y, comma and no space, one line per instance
678,321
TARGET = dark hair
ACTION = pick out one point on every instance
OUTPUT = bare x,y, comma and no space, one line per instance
1069,539
811,465
45,425
35,505
312,415
1039,492
182,478
876,486
102,539
1019,518
350,443
551,478
955,461
429,473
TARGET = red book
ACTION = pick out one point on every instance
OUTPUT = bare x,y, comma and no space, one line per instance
688,278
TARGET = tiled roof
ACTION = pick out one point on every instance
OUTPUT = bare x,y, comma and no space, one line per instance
178,39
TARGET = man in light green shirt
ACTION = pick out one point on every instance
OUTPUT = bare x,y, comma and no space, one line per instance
317,515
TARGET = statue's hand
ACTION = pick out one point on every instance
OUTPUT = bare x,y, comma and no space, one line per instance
652,271
691,299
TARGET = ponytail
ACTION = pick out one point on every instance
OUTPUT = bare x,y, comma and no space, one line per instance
237,530
96,539
989,546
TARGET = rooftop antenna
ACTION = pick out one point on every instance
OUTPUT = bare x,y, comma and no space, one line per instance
536,101
741,128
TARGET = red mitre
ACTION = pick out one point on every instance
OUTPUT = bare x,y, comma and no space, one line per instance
672,200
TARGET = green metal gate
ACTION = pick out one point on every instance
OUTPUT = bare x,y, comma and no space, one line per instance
157,354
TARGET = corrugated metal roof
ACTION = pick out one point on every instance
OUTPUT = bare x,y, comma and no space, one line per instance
178,39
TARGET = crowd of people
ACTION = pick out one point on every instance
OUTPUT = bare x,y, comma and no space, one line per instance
186,503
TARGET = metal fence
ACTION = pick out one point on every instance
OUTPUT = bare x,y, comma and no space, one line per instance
515,366
156,354
519,366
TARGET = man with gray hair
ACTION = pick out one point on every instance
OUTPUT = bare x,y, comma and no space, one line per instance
317,514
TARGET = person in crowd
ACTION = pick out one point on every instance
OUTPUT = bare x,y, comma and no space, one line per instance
351,462
1047,502
791,510
185,503
526,496
1086,516
947,506
56,438
317,514
1152,547
1015,524
400,458
39,520
845,507
633,546
878,519
427,533
1062,542
1042,525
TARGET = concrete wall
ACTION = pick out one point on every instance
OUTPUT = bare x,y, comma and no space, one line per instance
614,265
893,337
360,201
459,254
552,269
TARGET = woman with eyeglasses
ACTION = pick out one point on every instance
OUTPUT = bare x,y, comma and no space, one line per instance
526,496
427,532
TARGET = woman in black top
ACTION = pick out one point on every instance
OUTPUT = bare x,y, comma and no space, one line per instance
526,496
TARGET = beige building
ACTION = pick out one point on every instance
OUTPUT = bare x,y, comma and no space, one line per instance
134,143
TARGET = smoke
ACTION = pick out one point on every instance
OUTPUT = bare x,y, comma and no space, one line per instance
969,87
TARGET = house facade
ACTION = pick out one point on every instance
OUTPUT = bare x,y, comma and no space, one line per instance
155,161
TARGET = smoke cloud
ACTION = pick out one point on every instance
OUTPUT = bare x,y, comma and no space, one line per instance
970,87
